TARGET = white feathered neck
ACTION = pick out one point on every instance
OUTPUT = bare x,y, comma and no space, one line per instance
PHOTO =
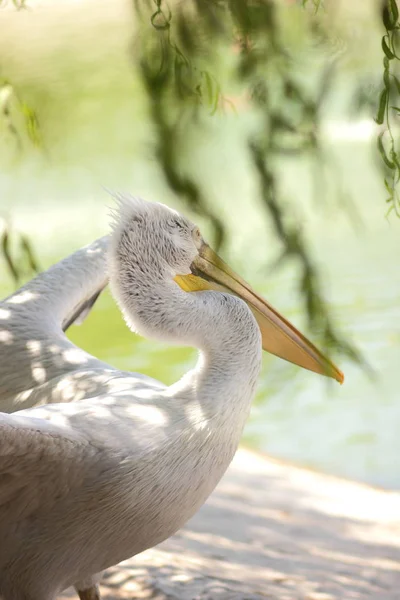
146,251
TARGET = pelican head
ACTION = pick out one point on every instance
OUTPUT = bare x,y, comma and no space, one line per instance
153,240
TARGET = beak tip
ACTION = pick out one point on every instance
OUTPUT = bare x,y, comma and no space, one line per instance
340,377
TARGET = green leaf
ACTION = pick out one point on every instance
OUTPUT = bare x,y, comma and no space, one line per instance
397,83
388,187
31,123
209,86
383,154
395,159
394,10
386,49
390,15
382,106
386,79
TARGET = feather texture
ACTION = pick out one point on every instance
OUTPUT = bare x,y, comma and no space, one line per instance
102,464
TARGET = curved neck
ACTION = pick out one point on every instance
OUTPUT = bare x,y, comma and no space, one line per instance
219,324
228,337
54,296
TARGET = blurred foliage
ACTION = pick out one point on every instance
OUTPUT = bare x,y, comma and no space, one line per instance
200,57
16,248
18,254
179,61
11,103
384,102
315,3
389,104
18,4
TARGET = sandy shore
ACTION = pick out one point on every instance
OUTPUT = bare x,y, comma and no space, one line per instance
271,530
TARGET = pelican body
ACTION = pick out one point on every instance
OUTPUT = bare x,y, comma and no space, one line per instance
96,464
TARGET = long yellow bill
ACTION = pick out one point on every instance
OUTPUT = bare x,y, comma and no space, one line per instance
279,337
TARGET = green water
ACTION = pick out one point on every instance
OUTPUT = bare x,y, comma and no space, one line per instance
351,430
103,139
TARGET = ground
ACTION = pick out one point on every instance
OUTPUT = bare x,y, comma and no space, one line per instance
271,530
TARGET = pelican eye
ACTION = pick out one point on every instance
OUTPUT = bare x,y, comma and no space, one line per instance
176,226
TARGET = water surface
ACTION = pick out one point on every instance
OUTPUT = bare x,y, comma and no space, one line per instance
95,125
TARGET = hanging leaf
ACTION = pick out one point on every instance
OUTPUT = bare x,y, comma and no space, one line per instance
389,188
396,83
383,154
386,79
32,124
5,244
394,10
390,15
396,161
27,249
382,106
386,49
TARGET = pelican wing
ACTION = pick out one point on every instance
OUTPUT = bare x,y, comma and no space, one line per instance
57,297
40,463
81,312
34,350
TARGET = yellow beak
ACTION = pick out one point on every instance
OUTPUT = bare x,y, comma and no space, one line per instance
279,337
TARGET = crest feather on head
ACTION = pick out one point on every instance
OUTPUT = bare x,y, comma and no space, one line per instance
128,206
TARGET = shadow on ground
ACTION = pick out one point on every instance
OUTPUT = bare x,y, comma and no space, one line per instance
271,530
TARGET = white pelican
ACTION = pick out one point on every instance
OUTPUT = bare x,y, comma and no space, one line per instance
110,463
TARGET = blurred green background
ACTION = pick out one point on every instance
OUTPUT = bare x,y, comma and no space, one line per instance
75,116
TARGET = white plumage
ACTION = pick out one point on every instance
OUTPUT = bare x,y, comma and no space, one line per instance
109,463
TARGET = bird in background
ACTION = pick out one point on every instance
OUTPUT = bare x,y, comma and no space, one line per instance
97,464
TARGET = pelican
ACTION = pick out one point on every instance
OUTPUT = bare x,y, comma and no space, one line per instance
97,464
